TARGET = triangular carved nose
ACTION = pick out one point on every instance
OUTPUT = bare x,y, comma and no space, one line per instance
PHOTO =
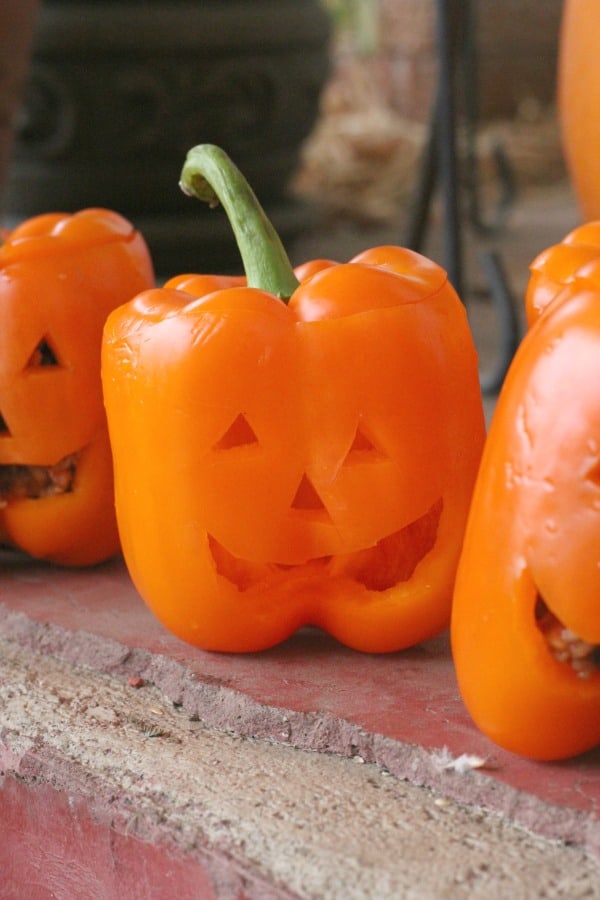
43,355
239,433
4,429
307,497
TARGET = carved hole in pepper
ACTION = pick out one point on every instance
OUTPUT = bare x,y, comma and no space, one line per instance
243,573
4,429
394,558
363,450
594,474
239,434
19,482
391,561
564,645
307,498
42,356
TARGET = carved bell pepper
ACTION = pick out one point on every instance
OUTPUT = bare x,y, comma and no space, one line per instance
60,276
293,453
526,615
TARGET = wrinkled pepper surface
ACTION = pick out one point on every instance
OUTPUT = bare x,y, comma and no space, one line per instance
60,276
293,448
526,615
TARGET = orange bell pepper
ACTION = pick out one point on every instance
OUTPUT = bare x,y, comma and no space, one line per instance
526,615
577,256
289,454
60,275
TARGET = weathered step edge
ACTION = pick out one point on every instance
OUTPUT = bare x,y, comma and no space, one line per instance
218,706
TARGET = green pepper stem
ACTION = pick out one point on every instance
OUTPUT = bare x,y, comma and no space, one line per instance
209,175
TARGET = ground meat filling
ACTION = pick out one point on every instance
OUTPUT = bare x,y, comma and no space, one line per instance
565,645
34,482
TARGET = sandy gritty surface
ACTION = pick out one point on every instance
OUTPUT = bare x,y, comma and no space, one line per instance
310,824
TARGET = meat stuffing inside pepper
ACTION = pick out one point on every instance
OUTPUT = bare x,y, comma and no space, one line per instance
565,646
19,482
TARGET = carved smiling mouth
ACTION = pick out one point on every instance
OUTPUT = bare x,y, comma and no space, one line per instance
389,562
566,646
20,482
29,482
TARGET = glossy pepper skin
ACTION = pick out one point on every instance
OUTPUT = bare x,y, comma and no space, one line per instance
576,257
282,464
530,566
60,276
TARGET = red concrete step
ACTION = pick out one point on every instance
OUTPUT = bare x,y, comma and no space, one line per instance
401,711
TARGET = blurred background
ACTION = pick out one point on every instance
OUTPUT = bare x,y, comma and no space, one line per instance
376,107
328,106
115,88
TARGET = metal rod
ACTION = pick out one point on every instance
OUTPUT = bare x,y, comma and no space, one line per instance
446,134
420,202
509,331
439,170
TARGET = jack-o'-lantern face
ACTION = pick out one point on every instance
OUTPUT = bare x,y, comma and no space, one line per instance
352,510
60,276
553,467
50,397
55,469
526,615
563,552
558,487
324,468
287,466
298,446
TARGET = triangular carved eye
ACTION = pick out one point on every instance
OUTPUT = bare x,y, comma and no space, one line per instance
362,450
43,355
594,474
306,496
239,434
4,429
